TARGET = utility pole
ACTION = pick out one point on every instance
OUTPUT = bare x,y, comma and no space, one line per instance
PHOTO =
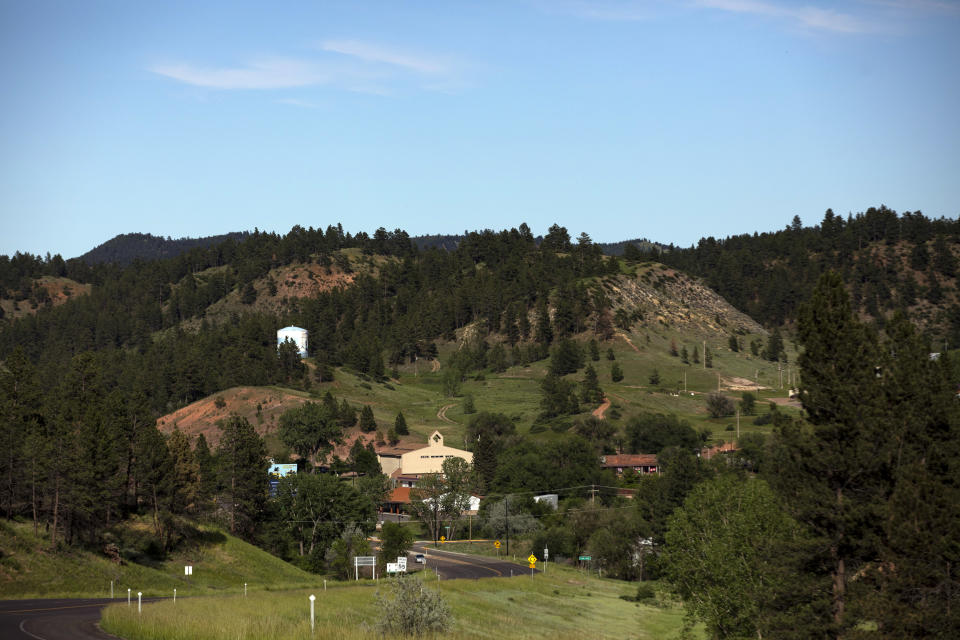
506,506
738,425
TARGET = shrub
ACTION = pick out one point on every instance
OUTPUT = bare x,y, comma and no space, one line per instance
719,405
407,607
645,592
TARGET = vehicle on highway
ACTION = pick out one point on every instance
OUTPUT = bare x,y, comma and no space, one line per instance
419,559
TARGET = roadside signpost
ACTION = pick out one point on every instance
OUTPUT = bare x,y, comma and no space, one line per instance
533,563
443,539
402,563
546,557
497,546
364,561
585,558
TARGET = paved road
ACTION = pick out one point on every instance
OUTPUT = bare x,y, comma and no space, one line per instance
66,619
451,564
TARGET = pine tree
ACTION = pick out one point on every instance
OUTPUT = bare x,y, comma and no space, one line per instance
206,470
367,422
186,473
400,425
544,331
707,358
242,459
834,478
616,373
510,325
594,350
590,391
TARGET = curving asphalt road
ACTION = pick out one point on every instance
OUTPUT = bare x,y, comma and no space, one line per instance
452,565
66,619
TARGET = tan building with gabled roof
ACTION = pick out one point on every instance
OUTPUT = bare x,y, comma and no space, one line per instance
419,461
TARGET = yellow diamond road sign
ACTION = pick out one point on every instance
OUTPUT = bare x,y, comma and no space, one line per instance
532,559
497,544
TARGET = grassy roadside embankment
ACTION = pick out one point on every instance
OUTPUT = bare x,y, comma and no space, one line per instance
561,604
222,564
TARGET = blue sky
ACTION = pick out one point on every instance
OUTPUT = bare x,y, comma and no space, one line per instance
669,119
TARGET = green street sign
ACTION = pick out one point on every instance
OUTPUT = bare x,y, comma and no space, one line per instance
586,558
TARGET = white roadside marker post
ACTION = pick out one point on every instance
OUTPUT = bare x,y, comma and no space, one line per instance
139,602
174,596
244,589
128,596
111,589
312,598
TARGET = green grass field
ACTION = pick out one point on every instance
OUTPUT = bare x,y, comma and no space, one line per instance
561,604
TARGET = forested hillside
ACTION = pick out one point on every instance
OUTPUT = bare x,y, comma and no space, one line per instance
887,261
127,247
540,357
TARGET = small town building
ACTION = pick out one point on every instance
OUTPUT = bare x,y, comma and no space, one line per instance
419,461
639,463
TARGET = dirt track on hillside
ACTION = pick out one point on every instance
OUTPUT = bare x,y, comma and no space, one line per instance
599,411
628,341
442,414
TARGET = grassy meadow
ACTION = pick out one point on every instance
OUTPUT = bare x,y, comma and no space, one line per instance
561,604
418,390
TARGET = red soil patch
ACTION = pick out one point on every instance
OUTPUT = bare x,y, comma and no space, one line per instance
202,416
306,280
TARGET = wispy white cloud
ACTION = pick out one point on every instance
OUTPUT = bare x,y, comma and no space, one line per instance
274,73
808,16
376,53
350,65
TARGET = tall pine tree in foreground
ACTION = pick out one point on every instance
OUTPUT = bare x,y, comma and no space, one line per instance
834,473
242,458
873,475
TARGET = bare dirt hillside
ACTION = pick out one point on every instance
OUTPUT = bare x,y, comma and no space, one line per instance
283,284
669,297
262,406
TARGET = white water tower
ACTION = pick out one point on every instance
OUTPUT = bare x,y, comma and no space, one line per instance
298,335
